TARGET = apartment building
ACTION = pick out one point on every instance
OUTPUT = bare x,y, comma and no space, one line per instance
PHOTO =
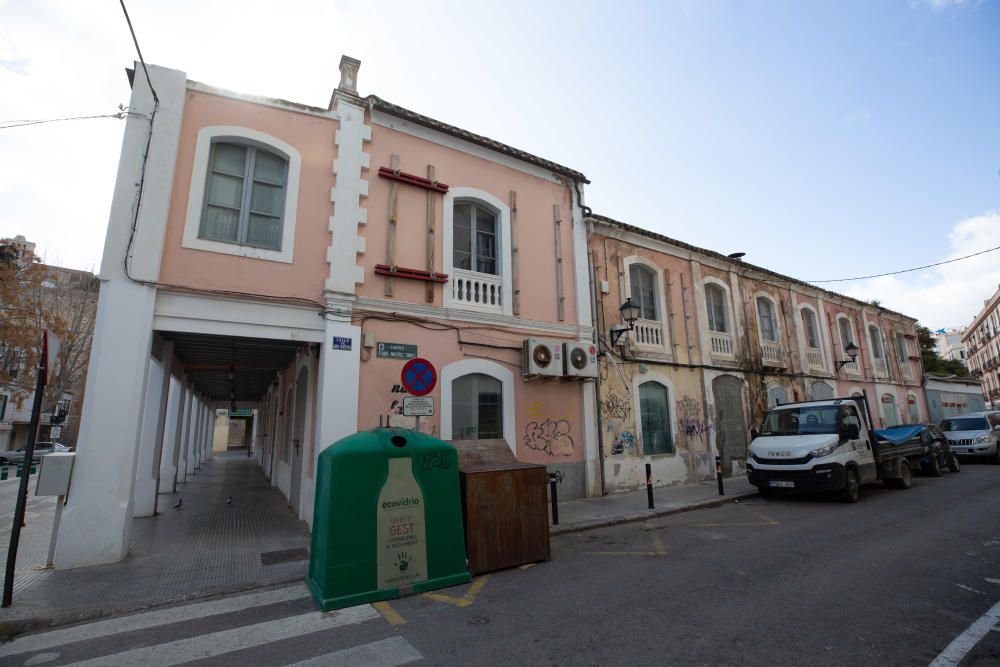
982,344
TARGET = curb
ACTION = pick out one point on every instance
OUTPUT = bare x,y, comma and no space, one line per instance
49,619
648,514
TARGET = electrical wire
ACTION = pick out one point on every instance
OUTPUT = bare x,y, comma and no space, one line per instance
918,268
10,124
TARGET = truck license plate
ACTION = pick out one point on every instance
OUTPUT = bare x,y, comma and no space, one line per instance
781,483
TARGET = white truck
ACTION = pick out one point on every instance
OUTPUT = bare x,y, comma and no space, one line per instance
827,446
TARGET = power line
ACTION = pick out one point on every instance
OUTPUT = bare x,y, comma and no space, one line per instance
893,273
8,124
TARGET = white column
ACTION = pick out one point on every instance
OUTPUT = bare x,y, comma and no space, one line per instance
147,468
97,518
184,433
168,455
210,436
337,400
193,434
203,428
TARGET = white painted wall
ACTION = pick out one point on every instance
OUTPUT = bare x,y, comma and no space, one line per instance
147,469
98,515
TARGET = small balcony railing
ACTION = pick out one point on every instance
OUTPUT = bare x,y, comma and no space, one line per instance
477,291
880,368
649,335
770,351
904,368
814,357
722,344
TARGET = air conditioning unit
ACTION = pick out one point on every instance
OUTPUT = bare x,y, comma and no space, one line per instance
580,359
541,358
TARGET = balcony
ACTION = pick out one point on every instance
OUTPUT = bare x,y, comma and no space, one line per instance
904,367
476,291
770,352
649,336
722,344
880,368
814,357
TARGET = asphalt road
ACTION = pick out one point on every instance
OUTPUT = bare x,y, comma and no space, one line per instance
893,579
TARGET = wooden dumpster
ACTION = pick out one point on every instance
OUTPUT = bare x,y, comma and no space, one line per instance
504,507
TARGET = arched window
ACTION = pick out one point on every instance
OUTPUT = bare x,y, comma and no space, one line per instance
876,340
766,319
810,328
477,408
654,414
715,303
244,196
846,335
475,238
642,282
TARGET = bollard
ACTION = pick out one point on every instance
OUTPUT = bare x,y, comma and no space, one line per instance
649,485
553,480
3,471
718,474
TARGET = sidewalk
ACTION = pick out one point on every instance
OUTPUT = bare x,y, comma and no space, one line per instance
211,548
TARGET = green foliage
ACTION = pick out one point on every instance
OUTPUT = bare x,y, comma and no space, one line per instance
932,362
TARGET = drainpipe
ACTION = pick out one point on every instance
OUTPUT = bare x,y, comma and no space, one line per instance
597,381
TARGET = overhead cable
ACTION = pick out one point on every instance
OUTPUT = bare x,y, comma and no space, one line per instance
916,268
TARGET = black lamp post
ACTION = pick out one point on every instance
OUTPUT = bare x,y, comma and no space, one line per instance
851,351
630,313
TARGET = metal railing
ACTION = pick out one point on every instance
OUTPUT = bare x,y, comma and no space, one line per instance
480,291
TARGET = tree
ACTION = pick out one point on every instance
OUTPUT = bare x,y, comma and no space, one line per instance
35,297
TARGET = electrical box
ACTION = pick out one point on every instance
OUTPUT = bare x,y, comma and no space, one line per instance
55,473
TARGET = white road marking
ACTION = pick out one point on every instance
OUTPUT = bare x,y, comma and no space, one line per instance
384,653
226,641
965,642
969,588
151,619
40,659
993,581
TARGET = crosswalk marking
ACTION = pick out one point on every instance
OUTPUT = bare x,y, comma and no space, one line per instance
384,653
226,641
151,619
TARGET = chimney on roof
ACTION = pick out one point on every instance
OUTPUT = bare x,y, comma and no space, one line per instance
349,75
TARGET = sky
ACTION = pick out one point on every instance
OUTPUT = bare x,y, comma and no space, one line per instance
824,139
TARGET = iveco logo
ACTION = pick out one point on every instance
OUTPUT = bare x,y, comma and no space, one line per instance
778,453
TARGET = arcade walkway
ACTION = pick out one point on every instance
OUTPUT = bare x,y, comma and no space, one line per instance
207,545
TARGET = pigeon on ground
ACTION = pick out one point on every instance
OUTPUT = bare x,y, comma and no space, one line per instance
180,502
229,500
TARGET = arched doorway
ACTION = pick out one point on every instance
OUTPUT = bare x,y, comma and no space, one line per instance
889,412
776,395
821,391
730,421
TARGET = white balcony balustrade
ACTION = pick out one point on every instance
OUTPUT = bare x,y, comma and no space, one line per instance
880,368
722,344
814,357
904,367
648,335
770,351
476,291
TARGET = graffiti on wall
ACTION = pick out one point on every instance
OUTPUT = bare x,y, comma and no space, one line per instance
551,436
615,407
690,419
624,442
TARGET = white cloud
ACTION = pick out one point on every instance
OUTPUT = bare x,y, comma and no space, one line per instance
948,295
941,5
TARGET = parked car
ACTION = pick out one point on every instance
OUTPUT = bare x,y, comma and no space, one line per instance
41,449
974,434
939,455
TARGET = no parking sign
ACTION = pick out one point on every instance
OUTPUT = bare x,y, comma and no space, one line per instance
418,376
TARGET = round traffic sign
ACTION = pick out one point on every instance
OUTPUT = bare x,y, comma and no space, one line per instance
418,376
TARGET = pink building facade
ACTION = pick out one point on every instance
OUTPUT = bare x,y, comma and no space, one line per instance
285,262
718,341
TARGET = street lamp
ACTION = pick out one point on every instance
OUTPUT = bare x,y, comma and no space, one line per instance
630,313
851,351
